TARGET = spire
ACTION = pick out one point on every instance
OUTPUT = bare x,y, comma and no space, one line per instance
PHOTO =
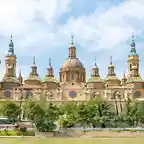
50,69
72,49
72,40
20,78
49,62
95,62
11,48
124,74
133,49
110,60
34,67
34,63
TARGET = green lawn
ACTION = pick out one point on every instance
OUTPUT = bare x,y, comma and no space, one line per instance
72,140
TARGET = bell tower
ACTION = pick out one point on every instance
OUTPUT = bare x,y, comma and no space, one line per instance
10,80
133,58
10,61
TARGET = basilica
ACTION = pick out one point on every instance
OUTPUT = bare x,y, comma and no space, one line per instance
72,84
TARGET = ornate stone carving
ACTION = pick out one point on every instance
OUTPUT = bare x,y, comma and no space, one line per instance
128,93
95,94
49,95
107,93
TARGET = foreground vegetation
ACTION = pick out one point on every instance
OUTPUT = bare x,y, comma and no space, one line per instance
73,140
95,113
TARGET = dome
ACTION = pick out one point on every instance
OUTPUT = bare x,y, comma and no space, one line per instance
72,63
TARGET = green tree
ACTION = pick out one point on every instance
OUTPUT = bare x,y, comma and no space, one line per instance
68,115
43,116
141,112
33,110
84,115
53,111
131,113
12,111
94,113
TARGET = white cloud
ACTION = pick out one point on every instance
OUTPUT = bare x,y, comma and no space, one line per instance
16,15
110,28
103,29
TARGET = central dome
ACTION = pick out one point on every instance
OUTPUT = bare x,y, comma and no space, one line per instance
72,63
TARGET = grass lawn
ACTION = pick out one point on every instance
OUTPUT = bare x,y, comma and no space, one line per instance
71,140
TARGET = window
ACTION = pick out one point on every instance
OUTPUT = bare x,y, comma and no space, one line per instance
72,77
130,67
63,78
81,78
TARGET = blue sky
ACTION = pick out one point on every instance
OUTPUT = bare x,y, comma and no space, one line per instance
43,28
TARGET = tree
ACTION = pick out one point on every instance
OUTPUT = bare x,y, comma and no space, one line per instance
95,112
45,123
53,111
42,117
131,113
12,111
33,110
84,115
68,115
141,112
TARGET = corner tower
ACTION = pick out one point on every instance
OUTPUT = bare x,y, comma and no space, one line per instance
10,61
10,80
133,58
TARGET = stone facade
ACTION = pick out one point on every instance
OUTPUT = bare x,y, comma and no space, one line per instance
72,85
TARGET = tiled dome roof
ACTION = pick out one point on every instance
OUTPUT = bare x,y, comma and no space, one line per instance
72,63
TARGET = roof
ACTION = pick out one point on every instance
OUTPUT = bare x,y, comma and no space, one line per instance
10,79
72,63
33,77
134,79
95,80
26,86
49,79
112,78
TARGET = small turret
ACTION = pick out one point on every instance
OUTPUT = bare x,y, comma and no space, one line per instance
50,69
111,71
124,79
95,71
95,81
72,49
34,68
111,79
33,78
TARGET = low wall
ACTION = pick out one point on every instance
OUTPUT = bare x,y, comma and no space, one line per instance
92,134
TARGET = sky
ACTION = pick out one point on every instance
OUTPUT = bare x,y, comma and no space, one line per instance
43,28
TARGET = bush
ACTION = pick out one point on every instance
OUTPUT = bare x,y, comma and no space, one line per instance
8,133
16,133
